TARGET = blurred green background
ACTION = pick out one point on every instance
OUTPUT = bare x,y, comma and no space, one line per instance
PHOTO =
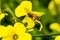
48,18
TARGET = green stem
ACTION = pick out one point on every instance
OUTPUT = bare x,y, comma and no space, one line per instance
40,24
13,15
45,35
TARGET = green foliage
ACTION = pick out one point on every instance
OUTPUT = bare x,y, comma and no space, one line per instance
38,5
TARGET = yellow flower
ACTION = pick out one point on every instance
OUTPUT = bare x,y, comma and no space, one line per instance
14,33
25,8
51,7
55,26
57,37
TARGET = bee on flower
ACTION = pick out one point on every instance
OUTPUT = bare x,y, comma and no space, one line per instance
25,9
34,17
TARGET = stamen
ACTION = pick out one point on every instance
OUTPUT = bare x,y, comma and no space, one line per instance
15,37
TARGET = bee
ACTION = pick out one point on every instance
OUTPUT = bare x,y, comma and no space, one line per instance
34,17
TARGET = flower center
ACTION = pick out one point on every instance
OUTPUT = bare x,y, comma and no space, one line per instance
15,36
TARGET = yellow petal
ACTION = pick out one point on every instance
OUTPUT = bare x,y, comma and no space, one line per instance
7,38
19,11
2,15
19,28
38,13
10,30
25,36
51,7
54,26
57,2
57,37
27,5
3,31
29,21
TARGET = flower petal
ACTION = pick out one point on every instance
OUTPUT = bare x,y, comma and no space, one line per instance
54,26
51,5
19,11
2,15
57,2
25,36
29,21
5,31
19,28
27,5
52,9
38,13
57,37
7,38
10,29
